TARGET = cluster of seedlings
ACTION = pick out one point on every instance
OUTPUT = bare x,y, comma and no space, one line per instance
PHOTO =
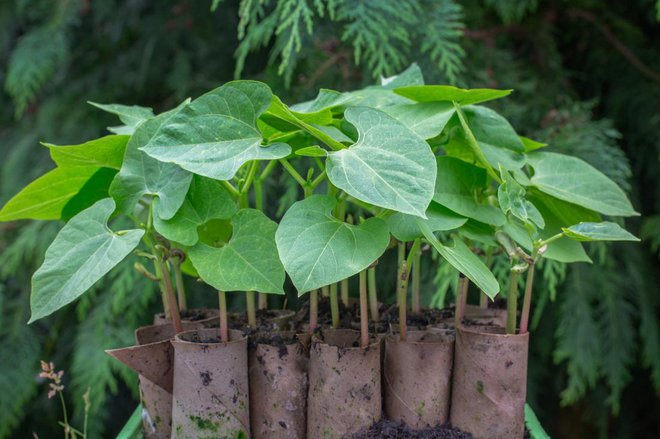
399,167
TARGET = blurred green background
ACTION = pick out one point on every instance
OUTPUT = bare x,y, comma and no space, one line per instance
586,75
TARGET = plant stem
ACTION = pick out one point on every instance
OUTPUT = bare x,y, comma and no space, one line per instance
313,310
527,300
400,255
334,305
263,301
66,419
416,272
230,188
291,170
461,300
163,290
364,318
325,291
171,300
250,177
269,167
344,292
251,309
483,298
551,239
224,333
373,295
403,296
180,288
512,302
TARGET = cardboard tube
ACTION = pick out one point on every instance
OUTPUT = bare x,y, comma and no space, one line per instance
211,397
278,387
417,378
486,316
344,385
489,382
203,316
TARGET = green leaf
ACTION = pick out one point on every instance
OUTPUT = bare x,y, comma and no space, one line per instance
511,196
312,151
130,115
404,227
133,426
430,93
411,76
325,100
530,144
564,249
389,166
95,189
81,254
532,423
206,200
318,249
217,133
457,186
105,152
461,258
248,262
143,175
426,119
573,180
605,231
46,197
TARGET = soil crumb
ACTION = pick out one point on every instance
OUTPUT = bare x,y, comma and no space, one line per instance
385,429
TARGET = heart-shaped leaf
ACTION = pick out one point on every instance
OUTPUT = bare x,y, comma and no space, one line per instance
248,262
81,254
389,165
217,133
107,152
426,119
143,175
206,200
458,186
317,249
404,227
461,258
605,231
430,93
46,197
573,180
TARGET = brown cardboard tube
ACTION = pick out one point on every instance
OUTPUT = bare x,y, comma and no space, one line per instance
278,386
210,397
417,377
489,382
344,385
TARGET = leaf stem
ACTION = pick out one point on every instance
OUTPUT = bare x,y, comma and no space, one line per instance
474,145
344,291
230,188
224,333
318,180
364,317
551,239
250,177
269,167
334,305
373,295
291,170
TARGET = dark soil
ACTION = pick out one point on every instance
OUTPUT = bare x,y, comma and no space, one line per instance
273,339
385,429
190,315
418,320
